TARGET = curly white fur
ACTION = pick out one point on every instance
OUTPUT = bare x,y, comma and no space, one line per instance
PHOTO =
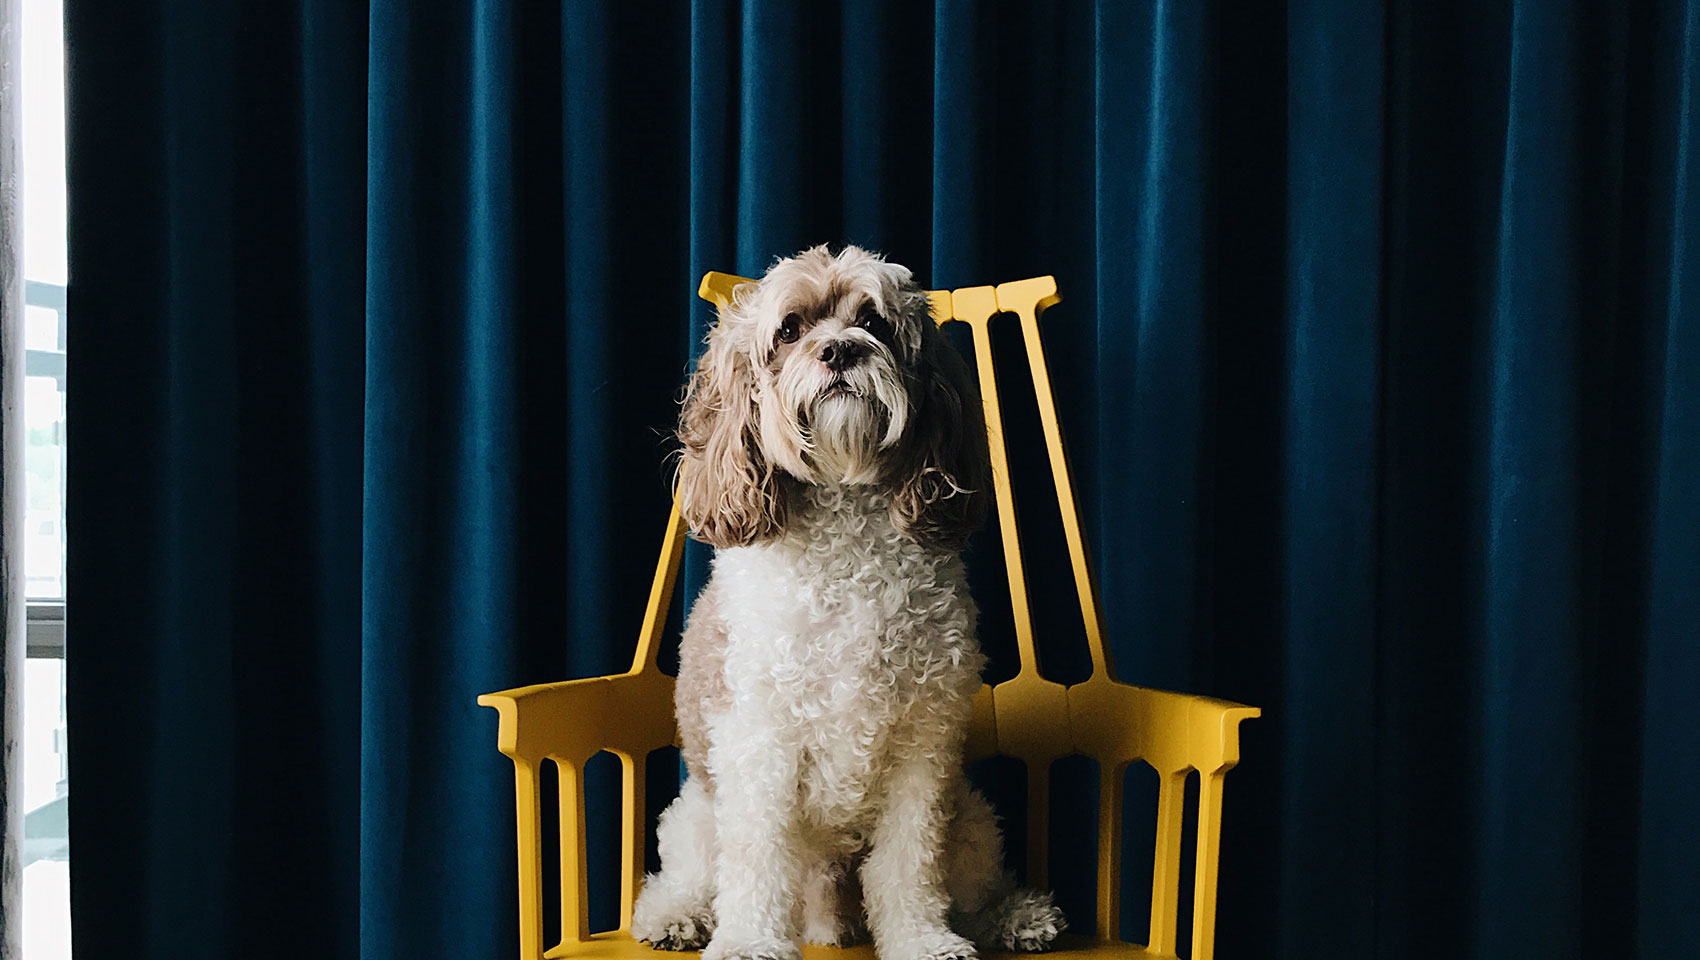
827,669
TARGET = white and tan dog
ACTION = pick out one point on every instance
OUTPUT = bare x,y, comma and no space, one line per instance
835,454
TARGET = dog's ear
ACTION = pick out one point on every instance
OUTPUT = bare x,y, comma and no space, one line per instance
941,477
729,495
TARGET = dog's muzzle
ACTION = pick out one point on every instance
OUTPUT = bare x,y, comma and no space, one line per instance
841,355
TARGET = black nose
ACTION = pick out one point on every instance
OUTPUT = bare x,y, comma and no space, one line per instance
840,356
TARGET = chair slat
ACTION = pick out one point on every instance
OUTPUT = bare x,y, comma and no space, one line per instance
661,592
975,306
1027,299
1110,850
1038,824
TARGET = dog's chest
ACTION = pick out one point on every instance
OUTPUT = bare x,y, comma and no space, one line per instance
846,613
856,641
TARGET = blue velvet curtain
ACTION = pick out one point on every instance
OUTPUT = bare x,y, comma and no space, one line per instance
1379,359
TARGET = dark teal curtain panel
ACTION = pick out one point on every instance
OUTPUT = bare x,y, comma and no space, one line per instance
1379,358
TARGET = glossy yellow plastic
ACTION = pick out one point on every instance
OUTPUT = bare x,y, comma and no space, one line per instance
1027,717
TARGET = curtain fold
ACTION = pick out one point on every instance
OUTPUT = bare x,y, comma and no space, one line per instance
1378,359
1665,839
1331,354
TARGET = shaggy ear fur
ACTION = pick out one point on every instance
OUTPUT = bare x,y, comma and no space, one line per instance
941,477
729,494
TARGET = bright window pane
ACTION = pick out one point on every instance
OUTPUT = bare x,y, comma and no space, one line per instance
44,509
47,903
44,737
43,141
41,328
47,910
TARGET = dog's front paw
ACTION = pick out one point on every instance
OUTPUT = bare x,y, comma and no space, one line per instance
677,933
756,948
1027,921
940,945
667,921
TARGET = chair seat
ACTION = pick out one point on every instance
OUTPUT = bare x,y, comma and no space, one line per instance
620,946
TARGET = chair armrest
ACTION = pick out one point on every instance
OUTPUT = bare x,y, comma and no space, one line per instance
1170,731
569,722
628,714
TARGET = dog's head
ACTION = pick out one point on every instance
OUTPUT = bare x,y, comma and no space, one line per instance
830,370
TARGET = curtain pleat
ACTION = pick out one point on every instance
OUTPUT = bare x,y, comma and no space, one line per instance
1151,87
1529,882
1377,357
1331,361
1665,841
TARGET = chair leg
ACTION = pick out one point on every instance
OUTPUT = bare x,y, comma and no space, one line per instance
1209,845
530,861
575,887
631,835
1166,869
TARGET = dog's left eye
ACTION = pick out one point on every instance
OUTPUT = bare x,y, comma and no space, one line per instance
870,320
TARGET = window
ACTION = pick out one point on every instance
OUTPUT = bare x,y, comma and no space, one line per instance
47,904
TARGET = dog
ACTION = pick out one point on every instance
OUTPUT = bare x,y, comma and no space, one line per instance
834,453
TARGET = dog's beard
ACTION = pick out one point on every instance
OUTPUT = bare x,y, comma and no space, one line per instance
845,421
844,430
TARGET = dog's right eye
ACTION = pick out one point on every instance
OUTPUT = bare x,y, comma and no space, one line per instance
790,328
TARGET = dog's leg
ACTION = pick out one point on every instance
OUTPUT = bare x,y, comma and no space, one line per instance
676,909
975,876
758,866
832,904
985,905
903,876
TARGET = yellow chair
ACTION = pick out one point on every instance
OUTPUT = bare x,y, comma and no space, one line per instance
1027,717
